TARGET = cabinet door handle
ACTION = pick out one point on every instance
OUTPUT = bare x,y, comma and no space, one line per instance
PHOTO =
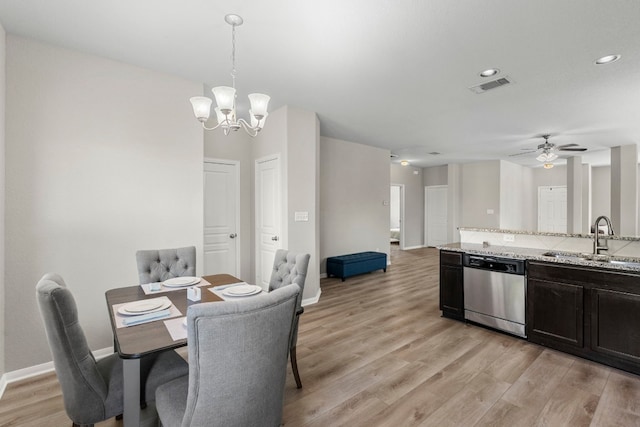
274,238
233,235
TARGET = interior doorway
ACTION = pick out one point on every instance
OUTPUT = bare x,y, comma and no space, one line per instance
396,216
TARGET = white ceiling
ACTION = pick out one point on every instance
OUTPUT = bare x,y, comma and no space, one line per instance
392,74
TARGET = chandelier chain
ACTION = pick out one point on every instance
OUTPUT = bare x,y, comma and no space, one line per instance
233,55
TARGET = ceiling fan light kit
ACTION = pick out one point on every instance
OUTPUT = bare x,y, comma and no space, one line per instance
226,98
547,156
547,151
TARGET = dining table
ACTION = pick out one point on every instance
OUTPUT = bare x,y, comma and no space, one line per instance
134,342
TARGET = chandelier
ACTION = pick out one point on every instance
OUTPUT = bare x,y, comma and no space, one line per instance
226,98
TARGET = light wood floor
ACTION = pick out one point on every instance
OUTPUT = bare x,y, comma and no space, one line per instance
375,352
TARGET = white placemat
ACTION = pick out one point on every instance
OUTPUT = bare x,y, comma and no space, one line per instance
173,312
177,329
147,287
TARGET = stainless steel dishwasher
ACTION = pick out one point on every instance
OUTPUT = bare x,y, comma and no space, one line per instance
495,292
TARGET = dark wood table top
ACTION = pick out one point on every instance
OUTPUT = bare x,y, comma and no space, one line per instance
136,341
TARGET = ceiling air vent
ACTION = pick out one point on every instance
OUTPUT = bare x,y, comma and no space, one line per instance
491,85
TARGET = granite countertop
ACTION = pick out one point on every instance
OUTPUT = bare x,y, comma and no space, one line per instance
571,258
544,233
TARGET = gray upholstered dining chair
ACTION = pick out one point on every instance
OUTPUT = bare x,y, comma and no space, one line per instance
291,268
158,265
92,390
237,363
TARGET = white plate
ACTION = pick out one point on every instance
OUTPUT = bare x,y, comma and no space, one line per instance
137,308
242,290
178,282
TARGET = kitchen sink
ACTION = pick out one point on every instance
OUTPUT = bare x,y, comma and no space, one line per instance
565,255
605,259
624,263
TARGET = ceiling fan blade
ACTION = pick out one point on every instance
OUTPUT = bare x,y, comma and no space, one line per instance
573,149
567,145
523,153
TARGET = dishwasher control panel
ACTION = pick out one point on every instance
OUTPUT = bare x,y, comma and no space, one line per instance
503,265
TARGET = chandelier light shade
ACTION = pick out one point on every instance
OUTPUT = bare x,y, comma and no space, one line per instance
201,107
225,97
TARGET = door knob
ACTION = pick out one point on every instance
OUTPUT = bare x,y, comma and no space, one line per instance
274,238
233,236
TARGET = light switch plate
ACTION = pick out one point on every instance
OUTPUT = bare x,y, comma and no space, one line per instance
301,216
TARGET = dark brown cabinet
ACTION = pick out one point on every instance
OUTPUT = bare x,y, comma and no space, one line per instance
589,312
451,286
557,311
615,324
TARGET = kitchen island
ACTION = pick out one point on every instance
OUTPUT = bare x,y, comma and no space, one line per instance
580,303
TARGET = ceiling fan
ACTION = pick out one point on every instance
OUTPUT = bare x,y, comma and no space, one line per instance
547,150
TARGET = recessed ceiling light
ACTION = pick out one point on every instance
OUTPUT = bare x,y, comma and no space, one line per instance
404,163
607,59
489,72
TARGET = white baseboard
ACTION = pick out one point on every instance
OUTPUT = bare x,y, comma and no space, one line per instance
43,368
408,248
314,299
323,275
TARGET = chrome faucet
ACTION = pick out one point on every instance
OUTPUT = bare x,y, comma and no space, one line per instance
596,238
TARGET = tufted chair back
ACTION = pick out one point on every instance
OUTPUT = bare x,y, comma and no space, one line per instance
237,363
158,265
85,392
291,268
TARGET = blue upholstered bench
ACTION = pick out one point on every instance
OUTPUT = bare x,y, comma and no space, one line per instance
344,266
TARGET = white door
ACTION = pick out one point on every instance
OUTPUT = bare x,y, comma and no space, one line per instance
268,218
221,218
552,209
435,208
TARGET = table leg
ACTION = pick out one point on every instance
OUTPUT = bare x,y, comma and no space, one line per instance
131,372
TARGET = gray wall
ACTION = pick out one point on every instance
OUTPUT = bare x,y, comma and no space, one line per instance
481,192
293,134
413,203
601,187
2,193
354,183
511,196
303,191
102,159
435,175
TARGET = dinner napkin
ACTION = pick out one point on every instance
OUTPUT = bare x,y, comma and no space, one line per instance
134,320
